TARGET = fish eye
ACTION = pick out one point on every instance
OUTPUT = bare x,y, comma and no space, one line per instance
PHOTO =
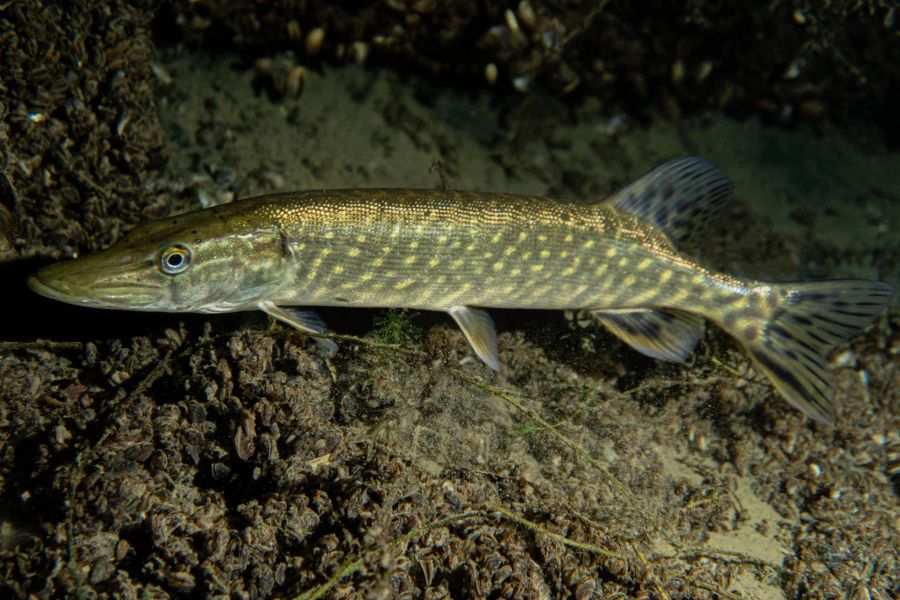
175,259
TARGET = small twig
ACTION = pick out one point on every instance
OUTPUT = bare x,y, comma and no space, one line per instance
438,165
586,23
581,451
70,536
86,454
155,373
350,567
148,380
370,343
724,556
354,564
546,426
535,528
712,589
662,593
41,345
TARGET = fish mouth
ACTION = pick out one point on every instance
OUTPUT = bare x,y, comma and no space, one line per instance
82,287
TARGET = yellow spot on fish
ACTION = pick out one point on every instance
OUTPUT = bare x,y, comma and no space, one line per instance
600,270
329,235
569,238
522,236
645,296
441,279
409,260
644,264
515,272
498,266
545,290
367,276
353,252
665,276
404,284
698,279
536,268
579,290
385,249
434,262
470,247
545,253
629,280
564,254
526,255
414,244
610,252
338,269
457,263
496,237
361,239
568,271
588,244
378,261
623,261
509,251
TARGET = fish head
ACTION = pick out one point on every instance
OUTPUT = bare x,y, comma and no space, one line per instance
199,262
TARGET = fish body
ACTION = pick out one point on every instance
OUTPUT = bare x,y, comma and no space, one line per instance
464,252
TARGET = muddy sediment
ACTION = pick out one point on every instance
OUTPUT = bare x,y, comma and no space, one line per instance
171,455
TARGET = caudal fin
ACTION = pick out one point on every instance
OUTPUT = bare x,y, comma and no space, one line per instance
810,319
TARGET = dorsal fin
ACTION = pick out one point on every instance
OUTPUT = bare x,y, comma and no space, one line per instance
678,197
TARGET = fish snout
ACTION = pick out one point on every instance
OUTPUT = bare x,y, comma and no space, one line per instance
84,284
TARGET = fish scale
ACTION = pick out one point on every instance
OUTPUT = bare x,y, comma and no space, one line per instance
432,249
464,252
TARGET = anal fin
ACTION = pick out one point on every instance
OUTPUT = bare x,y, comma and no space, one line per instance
664,334
478,327
305,320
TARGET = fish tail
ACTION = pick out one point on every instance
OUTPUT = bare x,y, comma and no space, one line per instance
807,320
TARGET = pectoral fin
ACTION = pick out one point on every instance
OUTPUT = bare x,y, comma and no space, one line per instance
664,334
478,327
305,320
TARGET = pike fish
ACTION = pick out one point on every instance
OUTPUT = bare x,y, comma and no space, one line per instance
464,252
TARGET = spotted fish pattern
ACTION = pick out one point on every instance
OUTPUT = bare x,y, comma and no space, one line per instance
463,252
